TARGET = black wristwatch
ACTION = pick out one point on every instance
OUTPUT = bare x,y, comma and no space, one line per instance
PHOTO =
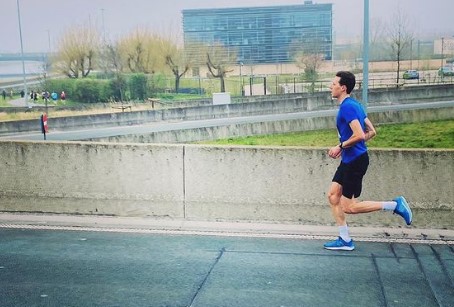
340,145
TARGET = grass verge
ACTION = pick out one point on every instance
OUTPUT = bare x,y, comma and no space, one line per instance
434,134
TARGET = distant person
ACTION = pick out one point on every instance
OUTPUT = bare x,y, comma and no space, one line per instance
35,96
11,94
46,96
354,129
63,95
54,96
4,94
22,94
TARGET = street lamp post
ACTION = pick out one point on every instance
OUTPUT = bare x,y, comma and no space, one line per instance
22,53
103,28
48,42
419,50
251,81
442,50
411,53
366,54
241,80
48,52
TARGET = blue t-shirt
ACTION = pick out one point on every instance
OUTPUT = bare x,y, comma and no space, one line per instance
349,110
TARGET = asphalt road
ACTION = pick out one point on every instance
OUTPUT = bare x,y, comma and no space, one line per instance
58,267
169,126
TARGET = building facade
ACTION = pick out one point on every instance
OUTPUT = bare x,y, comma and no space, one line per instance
259,35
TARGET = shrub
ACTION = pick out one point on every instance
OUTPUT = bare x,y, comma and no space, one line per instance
88,90
116,88
59,85
138,86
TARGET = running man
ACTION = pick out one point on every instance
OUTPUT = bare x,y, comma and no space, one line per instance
354,129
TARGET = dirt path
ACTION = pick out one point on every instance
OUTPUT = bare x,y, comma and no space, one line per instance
20,102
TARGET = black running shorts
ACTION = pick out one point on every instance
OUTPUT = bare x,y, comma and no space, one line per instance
350,176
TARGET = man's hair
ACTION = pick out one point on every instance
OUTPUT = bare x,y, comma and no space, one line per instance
347,79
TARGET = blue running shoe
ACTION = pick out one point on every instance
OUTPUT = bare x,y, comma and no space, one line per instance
403,209
340,244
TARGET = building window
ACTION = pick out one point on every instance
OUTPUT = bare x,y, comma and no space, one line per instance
262,34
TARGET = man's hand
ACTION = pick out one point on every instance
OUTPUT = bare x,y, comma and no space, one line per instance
335,152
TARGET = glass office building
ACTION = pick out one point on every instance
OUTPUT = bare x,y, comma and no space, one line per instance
263,34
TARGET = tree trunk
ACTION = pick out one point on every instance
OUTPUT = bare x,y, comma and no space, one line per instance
177,83
222,84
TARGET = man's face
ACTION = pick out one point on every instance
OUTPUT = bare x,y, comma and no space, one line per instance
336,89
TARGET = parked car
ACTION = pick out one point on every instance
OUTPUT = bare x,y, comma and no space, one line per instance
411,74
446,71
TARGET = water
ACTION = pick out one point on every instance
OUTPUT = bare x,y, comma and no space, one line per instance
10,69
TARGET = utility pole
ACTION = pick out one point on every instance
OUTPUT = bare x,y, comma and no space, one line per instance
103,28
366,54
241,79
48,39
419,53
442,50
48,52
411,54
22,54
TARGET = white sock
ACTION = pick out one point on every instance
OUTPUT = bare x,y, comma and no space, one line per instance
389,205
343,233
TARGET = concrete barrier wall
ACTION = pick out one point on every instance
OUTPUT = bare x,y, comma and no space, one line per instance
92,178
210,182
291,104
290,184
410,94
249,106
274,127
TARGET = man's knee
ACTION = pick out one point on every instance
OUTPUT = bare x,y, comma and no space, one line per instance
333,198
347,205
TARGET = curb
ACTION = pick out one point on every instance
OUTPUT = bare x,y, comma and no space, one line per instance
219,228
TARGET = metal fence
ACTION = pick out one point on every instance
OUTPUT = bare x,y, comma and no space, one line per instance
282,84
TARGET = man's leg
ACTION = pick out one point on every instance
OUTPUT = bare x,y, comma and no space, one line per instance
344,242
340,205
334,197
399,206
352,206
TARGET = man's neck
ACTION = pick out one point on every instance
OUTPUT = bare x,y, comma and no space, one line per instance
341,98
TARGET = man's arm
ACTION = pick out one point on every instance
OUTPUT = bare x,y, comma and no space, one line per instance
357,136
370,130
358,133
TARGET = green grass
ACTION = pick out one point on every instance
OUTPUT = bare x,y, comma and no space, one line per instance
435,134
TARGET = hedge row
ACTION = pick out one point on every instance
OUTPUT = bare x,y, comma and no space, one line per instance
117,88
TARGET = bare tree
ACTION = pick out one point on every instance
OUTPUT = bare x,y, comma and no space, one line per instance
309,56
112,58
177,70
141,52
78,49
377,39
399,38
176,59
218,60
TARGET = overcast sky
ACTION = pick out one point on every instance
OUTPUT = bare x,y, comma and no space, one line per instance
44,19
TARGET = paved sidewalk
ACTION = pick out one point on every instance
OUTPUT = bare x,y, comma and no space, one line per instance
20,102
58,260
172,226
